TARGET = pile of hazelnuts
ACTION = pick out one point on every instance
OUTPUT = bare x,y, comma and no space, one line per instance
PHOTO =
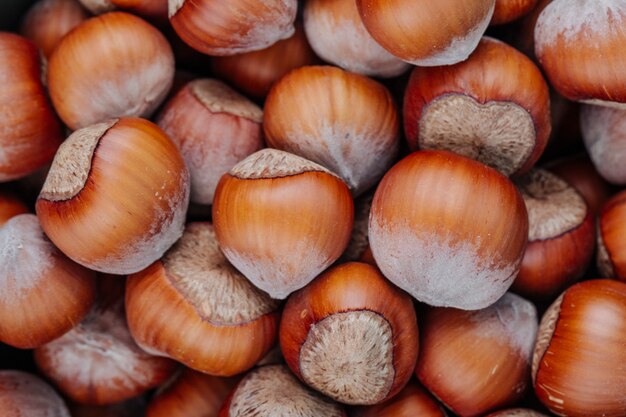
317,208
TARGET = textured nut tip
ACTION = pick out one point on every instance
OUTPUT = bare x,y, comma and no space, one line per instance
275,391
220,293
554,207
545,333
499,134
72,163
271,163
349,357
173,6
217,97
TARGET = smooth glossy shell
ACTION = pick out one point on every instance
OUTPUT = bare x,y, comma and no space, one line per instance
345,122
478,361
29,131
215,27
255,72
337,35
427,33
577,362
43,294
191,394
448,230
116,196
281,220
578,43
508,10
561,236
47,21
113,65
412,401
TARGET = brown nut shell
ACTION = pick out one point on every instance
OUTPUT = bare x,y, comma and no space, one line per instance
255,72
43,294
214,127
23,394
337,35
603,133
215,27
507,11
448,230
10,206
412,401
345,122
578,44
116,196
351,335
561,236
194,307
98,362
281,219
191,394
494,107
580,345
425,33
29,131
47,21
113,65
477,361
579,172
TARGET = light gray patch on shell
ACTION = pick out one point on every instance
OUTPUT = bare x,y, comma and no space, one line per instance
604,134
173,6
72,163
460,48
499,134
439,272
26,257
511,320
